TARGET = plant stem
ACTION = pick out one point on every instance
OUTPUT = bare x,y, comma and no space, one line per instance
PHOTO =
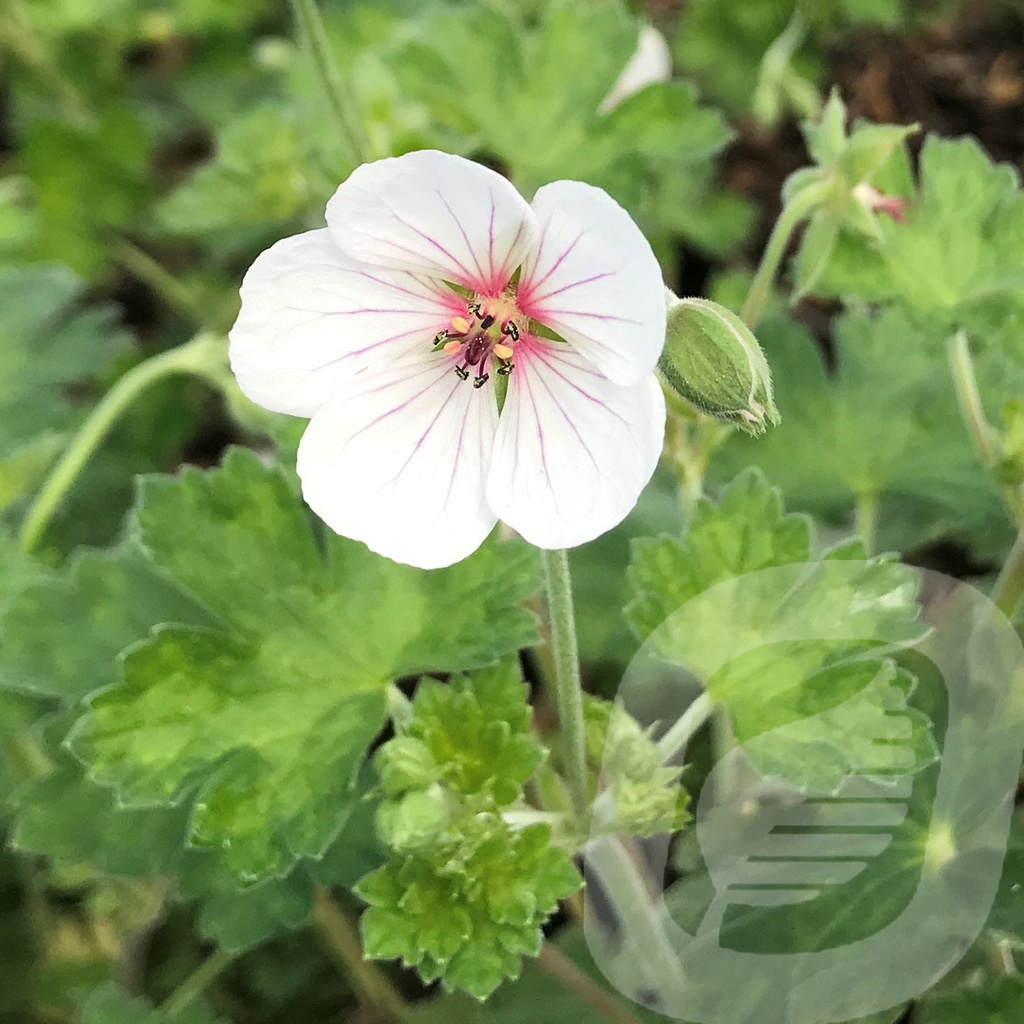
795,211
961,367
341,938
196,983
865,514
568,692
334,85
552,961
617,862
1009,586
17,34
138,262
686,725
199,356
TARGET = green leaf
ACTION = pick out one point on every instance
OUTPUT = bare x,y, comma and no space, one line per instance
62,636
808,697
270,713
468,919
237,921
999,1002
110,1004
72,820
956,261
745,532
515,101
90,178
477,732
49,344
537,996
884,424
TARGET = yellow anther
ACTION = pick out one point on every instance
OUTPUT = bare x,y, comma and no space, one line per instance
460,325
502,351
452,347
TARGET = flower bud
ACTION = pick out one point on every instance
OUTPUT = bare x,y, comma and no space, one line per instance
413,821
406,763
713,361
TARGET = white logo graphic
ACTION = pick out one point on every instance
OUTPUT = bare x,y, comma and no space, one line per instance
846,853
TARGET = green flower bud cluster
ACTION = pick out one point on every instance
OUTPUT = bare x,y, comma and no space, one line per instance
464,893
712,360
641,796
838,190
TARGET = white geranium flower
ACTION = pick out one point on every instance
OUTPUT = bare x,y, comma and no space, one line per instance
390,328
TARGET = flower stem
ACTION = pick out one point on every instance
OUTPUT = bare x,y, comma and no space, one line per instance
341,938
1009,586
866,515
618,864
179,297
17,34
795,211
552,961
961,367
686,725
201,356
568,693
334,85
195,984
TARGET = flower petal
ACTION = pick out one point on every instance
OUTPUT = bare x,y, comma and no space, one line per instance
399,458
573,450
594,279
437,214
312,316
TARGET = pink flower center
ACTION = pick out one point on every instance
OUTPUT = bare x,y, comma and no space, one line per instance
489,330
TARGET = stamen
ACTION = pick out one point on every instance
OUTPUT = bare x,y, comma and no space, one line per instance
505,369
480,381
487,321
509,327
502,351
462,373
460,325
452,347
439,338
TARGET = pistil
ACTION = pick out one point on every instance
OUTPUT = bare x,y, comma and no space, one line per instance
492,332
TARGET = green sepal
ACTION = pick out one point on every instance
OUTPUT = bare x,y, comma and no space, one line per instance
712,359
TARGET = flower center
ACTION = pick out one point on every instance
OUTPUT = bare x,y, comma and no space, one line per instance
489,330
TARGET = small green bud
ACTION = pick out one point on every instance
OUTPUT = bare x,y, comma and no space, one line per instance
406,763
713,361
415,820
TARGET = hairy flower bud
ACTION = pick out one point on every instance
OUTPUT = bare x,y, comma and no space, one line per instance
713,361
406,763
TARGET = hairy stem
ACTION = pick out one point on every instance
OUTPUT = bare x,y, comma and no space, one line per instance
618,864
568,692
553,962
866,515
686,725
961,367
199,357
334,85
196,983
340,936
795,211
1009,586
